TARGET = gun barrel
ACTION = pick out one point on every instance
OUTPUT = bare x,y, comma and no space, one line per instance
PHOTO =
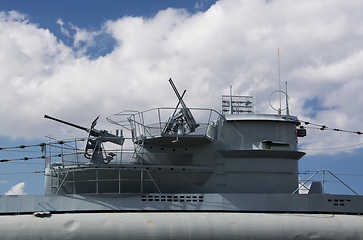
67,123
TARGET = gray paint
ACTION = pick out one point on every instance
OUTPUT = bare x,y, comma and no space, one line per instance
181,226
304,203
231,177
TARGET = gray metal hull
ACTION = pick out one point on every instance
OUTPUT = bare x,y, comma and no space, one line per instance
178,225
265,203
182,216
235,177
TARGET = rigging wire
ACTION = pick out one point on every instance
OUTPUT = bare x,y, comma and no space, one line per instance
26,163
334,148
28,158
42,145
18,151
324,127
341,174
25,146
22,173
20,159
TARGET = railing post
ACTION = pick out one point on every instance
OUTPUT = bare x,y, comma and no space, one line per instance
74,183
75,148
323,180
119,180
97,180
61,143
160,121
142,181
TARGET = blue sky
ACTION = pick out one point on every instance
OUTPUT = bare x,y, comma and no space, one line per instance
76,60
92,14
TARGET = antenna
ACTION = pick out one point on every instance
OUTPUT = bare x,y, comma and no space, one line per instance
287,103
279,110
230,100
278,60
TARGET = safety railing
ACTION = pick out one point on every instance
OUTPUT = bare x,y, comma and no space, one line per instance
70,172
161,121
324,174
71,151
102,180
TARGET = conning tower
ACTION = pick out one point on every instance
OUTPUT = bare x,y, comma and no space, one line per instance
185,150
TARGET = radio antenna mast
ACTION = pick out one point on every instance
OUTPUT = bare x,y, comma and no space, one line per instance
278,59
287,102
230,100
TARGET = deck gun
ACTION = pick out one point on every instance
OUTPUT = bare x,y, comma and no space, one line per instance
95,140
175,124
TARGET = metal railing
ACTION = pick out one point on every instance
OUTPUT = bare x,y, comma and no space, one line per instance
325,173
65,160
70,151
95,184
152,122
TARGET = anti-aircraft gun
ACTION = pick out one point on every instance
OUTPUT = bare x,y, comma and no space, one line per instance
94,141
175,124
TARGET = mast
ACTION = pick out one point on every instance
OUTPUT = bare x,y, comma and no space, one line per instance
230,100
287,102
278,58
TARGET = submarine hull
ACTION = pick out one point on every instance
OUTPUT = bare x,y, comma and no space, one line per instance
181,225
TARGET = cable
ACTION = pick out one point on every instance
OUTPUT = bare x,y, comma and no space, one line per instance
331,148
21,150
28,158
20,159
342,174
25,146
22,173
26,163
324,127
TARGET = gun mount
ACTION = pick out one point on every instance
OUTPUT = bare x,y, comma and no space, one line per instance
95,140
175,124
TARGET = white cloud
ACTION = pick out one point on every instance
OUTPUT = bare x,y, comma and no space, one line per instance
18,189
63,30
232,43
82,35
200,5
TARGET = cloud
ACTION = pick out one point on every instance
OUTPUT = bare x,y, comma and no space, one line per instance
232,43
18,189
83,39
63,30
200,5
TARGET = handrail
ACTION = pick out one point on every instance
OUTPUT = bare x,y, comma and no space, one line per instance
71,153
129,117
323,171
152,122
58,185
